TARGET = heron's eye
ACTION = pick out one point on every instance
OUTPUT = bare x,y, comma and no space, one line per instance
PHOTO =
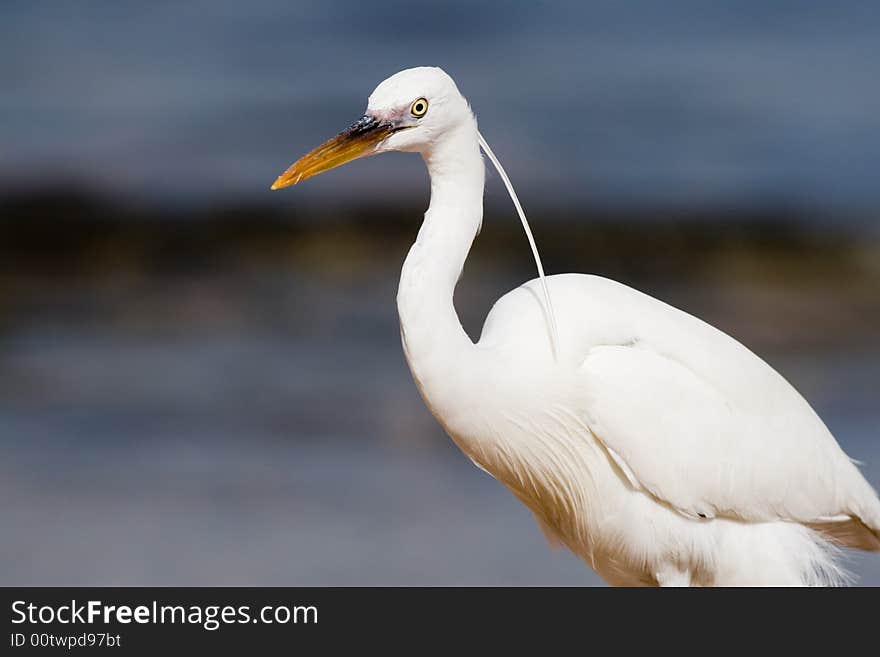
419,107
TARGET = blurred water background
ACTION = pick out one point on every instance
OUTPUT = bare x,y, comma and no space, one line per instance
201,382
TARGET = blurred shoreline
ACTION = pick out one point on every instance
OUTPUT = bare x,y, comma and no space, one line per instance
769,278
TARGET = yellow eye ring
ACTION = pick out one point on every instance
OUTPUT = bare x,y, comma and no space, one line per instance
419,108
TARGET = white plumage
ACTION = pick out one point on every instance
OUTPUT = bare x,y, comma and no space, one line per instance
652,445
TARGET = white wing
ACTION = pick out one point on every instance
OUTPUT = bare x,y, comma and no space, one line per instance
682,440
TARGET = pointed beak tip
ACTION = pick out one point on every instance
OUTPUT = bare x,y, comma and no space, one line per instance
281,182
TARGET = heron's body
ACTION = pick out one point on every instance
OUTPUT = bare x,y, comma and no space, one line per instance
652,445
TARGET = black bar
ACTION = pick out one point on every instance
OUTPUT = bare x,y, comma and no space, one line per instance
343,618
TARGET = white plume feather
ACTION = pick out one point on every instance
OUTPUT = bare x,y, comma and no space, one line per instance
551,316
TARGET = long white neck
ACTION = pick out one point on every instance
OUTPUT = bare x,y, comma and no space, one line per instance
438,350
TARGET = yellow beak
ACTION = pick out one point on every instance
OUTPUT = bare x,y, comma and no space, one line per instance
358,140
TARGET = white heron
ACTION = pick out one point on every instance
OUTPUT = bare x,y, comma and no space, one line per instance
652,445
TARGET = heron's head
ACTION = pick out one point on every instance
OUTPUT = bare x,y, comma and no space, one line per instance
410,111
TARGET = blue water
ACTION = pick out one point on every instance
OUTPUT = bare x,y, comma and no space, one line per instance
744,104
202,434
